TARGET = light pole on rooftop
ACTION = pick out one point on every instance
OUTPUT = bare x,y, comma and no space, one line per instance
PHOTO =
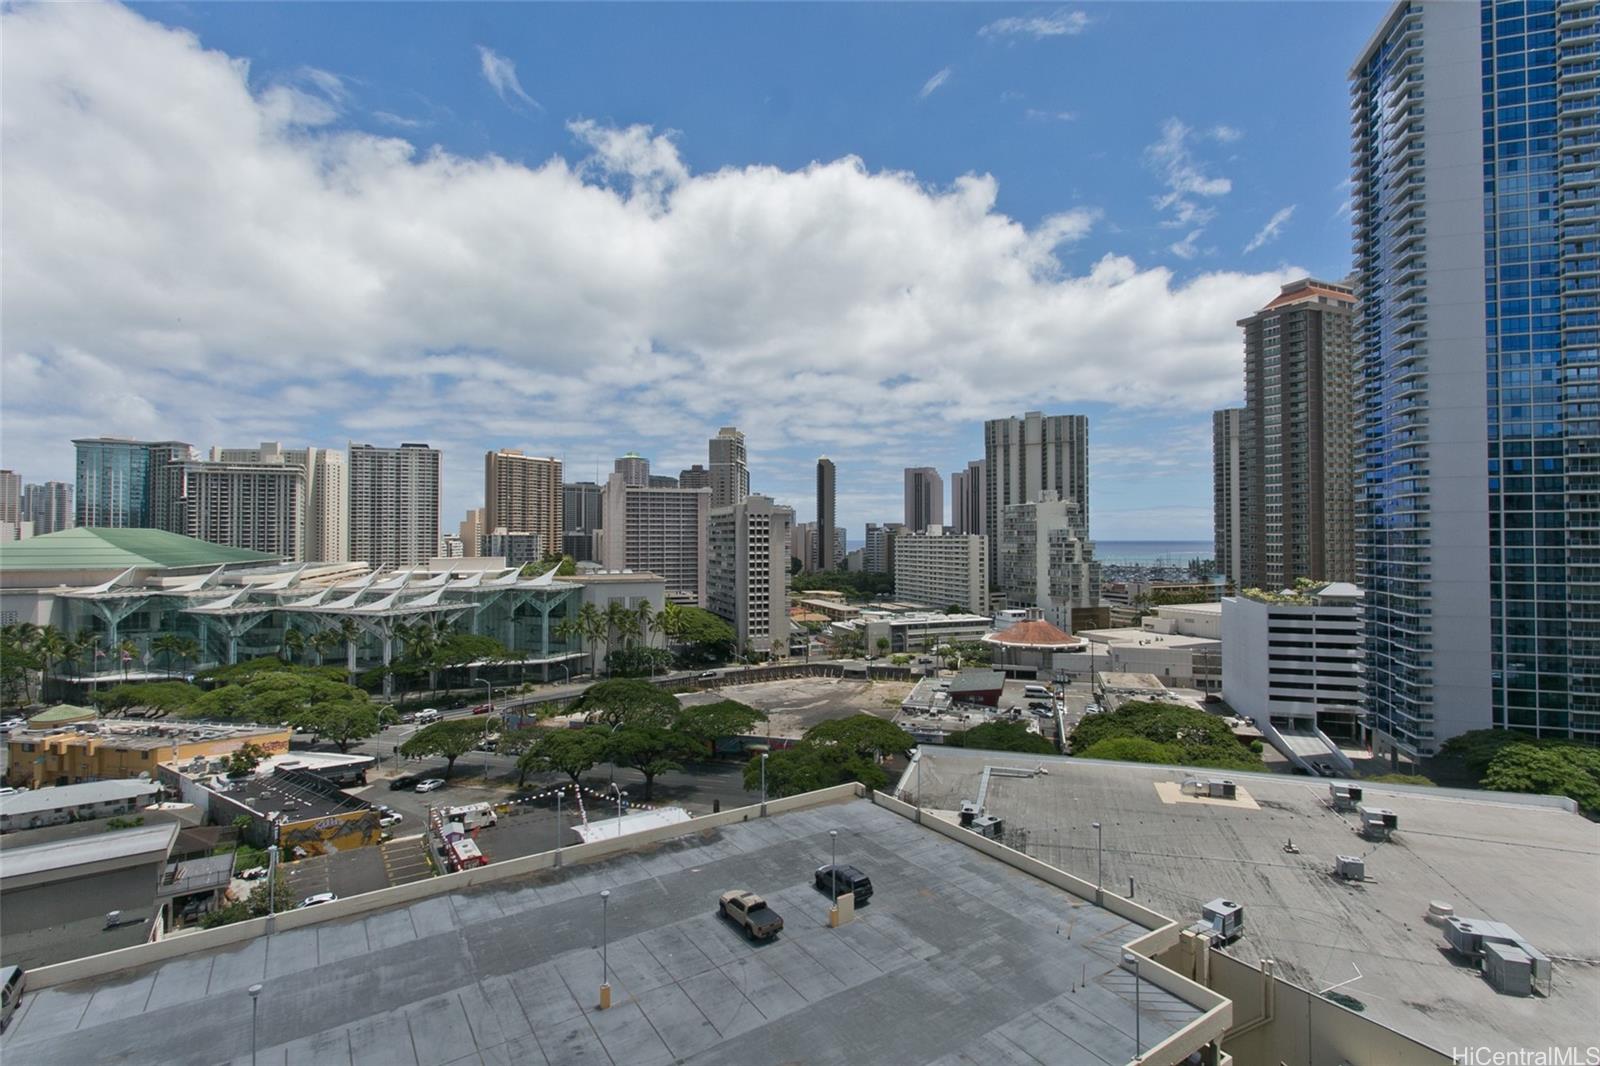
605,964
255,1003
833,864
1099,865
1133,960
763,784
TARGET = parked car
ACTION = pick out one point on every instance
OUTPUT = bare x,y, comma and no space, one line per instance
404,781
709,675
254,873
1039,712
750,913
392,818
12,723
430,784
319,898
844,878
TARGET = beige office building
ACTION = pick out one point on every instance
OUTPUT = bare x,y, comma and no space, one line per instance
1047,559
747,579
522,494
730,468
260,506
939,569
660,531
471,531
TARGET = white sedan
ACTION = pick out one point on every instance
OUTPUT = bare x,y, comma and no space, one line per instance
320,897
430,785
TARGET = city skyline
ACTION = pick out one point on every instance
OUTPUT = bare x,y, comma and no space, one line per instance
1121,239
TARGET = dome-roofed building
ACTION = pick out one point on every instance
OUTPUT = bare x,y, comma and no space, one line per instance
1027,648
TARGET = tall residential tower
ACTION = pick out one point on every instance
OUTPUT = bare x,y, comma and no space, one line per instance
1025,457
826,513
1475,205
924,498
394,504
730,468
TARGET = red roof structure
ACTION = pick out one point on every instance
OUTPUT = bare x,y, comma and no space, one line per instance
1034,633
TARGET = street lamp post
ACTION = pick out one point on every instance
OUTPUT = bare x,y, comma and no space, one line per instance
255,1003
763,784
558,827
620,794
1099,864
605,964
833,865
486,718
272,880
1133,960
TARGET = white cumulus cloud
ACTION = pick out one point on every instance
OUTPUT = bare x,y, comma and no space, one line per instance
185,257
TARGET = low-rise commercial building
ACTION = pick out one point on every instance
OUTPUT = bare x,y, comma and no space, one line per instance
942,569
112,749
40,807
1178,660
912,631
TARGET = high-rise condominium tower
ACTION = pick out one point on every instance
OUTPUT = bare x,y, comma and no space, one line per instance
48,506
394,504
634,468
695,477
1228,487
326,495
1478,524
730,469
924,498
523,494
1297,443
120,481
11,505
826,549
1023,457
966,499
662,530
747,578
256,505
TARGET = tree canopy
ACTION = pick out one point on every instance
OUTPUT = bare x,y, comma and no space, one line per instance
169,696
809,766
1184,736
724,718
1508,761
624,700
1002,736
649,748
864,735
305,698
855,584
571,751
449,739
709,637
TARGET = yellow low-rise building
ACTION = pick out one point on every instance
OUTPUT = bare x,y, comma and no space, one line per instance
112,749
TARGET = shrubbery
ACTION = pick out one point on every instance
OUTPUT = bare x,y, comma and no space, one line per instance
1174,734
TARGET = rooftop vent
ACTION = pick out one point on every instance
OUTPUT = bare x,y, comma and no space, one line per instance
1350,868
1344,797
1378,823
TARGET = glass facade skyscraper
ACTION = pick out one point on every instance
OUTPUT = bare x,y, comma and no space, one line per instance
1477,210
118,481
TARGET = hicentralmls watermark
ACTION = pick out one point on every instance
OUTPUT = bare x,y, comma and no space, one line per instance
1527,1056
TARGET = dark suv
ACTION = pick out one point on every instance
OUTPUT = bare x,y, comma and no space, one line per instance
849,879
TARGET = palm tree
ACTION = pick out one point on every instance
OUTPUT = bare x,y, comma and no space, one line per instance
349,633
168,644
51,646
645,617
189,650
592,626
621,625
323,642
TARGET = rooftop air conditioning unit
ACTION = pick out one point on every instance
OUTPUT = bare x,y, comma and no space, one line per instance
1226,917
1351,868
969,811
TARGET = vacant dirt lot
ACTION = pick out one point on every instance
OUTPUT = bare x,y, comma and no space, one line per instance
795,706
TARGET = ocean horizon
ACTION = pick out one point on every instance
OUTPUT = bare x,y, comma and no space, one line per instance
1148,552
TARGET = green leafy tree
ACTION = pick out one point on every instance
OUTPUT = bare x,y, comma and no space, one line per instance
883,646
1002,736
245,759
1194,737
294,644
1399,779
448,740
570,751
1556,768
255,906
865,735
807,767
709,638
1132,749
343,721
51,646
650,749
565,565
623,700
592,626
172,697
704,723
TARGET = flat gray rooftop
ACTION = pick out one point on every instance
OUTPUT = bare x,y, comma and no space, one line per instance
1532,867
957,958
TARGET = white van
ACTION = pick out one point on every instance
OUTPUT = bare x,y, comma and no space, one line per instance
12,982
1036,692
428,715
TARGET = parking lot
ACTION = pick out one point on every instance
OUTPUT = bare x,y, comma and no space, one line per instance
795,705
348,873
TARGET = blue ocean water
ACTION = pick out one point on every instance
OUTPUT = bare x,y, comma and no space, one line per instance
1172,552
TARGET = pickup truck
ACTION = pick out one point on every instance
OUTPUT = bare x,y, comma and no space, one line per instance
750,912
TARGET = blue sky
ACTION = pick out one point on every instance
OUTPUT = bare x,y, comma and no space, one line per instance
853,230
